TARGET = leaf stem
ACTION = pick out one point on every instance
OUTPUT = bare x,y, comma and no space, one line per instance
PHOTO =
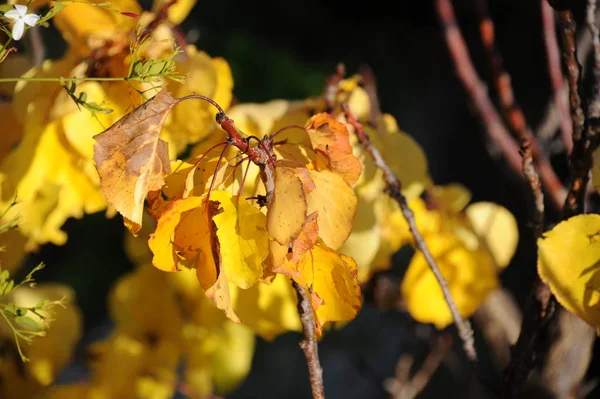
54,79
394,190
309,344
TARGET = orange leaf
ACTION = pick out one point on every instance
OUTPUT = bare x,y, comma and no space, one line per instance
331,139
306,239
186,235
132,160
287,211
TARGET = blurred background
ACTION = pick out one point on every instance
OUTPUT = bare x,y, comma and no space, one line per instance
286,50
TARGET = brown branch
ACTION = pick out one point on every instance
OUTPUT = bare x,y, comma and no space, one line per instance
539,307
370,86
486,111
532,177
309,343
551,123
559,88
393,188
512,111
581,157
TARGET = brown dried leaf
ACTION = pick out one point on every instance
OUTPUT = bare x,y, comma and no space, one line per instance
132,160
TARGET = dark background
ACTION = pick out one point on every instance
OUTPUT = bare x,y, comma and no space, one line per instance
286,50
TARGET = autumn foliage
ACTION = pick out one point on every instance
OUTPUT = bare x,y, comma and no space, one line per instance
251,219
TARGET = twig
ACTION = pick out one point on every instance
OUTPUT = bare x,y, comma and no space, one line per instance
559,88
550,123
370,85
309,343
532,177
393,188
478,94
539,307
580,157
332,87
512,111
403,387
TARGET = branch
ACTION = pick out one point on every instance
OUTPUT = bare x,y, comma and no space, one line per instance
551,121
478,95
532,177
540,305
393,188
511,110
370,86
309,343
559,89
585,130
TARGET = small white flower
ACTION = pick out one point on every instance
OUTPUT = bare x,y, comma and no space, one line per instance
19,14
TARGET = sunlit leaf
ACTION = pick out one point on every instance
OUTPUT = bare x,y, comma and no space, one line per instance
331,139
288,209
471,275
569,261
131,158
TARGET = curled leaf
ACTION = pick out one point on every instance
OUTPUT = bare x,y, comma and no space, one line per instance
132,160
330,138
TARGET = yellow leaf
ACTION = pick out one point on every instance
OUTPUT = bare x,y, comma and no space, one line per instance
451,197
193,120
131,158
100,24
496,229
269,309
331,139
177,11
245,242
288,208
471,276
142,302
569,260
331,280
335,203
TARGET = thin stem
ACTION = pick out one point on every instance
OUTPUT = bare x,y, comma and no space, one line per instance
512,112
309,344
53,79
204,98
243,177
189,179
394,190
283,129
532,177
478,94
559,89
214,178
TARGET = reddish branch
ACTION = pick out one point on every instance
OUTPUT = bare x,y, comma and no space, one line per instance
511,110
309,343
393,188
478,95
557,80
